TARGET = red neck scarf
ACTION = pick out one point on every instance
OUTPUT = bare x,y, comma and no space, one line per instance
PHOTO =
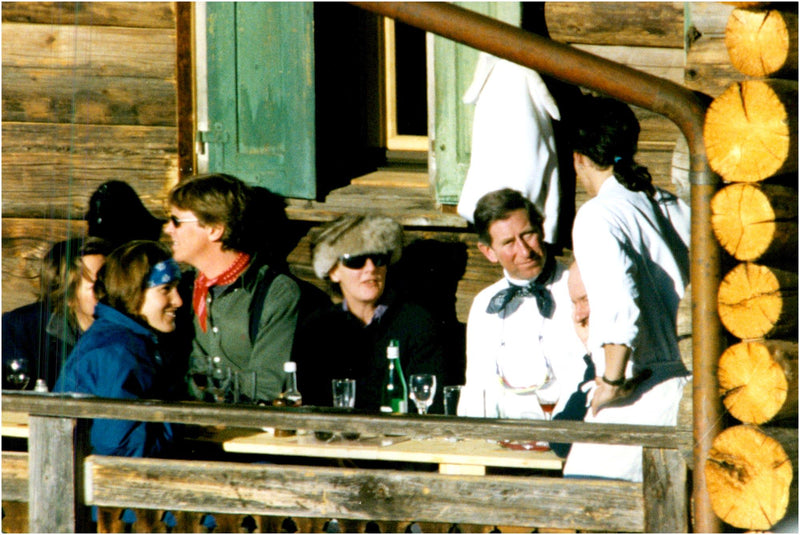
203,283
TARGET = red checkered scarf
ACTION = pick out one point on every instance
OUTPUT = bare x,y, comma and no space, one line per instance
203,283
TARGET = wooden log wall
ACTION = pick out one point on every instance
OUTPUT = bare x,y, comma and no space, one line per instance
89,95
751,141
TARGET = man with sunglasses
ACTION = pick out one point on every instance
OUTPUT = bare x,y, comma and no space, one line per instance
349,339
245,311
520,334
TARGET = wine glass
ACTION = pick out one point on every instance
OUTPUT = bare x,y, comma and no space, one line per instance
422,387
18,375
549,392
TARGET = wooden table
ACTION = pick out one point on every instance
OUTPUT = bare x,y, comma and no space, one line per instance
468,456
463,456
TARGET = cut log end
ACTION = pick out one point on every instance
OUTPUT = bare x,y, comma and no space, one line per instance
748,477
756,301
759,41
757,380
752,222
749,132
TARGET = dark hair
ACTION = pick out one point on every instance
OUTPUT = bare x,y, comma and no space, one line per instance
607,131
496,206
122,281
62,270
216,198
117,214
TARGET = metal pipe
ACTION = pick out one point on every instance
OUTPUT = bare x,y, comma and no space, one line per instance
682,106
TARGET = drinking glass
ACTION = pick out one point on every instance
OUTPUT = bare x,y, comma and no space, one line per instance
452,394
344,393
422,388
220,379
344,397
549,392
17,375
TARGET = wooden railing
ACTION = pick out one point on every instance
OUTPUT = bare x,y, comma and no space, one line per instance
60,480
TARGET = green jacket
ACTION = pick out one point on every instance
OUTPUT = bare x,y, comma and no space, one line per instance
228,327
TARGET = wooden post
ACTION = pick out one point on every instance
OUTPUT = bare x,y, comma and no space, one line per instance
666,492
57,448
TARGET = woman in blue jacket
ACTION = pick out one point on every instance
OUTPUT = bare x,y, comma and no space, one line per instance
119,357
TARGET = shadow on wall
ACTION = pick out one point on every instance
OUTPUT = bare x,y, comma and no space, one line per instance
428,274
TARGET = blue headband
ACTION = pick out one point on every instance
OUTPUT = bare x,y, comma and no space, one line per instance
164,272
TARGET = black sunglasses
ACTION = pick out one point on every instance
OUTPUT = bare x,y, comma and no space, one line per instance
358,261
176,221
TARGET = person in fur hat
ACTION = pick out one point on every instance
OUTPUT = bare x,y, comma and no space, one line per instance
349,339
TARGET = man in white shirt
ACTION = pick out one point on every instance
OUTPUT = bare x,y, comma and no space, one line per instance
520,333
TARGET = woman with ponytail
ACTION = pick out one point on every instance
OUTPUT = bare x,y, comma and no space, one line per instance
631,246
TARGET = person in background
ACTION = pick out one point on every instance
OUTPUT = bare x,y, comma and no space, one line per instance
43,333
631,245
245,310
117,215
119,357
576,404
520,330
348,340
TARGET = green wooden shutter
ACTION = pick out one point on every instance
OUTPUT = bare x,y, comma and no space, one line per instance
454,67
261,94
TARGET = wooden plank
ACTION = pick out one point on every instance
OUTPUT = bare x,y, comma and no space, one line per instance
185,88
666,496
130,14
51,170
15,517
365,494
412,425
708,67
429,450
83,50
15,476
55,96
57,449
24,244
651,24
665,63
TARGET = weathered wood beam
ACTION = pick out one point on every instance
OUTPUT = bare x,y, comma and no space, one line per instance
356,421
131,14
57,448
656,24
596,505
666,492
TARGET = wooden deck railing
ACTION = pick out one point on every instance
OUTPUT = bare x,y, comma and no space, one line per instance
60,480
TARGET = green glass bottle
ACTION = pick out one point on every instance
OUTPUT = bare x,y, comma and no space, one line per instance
394,396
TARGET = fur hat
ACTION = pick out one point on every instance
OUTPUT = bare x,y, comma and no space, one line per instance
356,235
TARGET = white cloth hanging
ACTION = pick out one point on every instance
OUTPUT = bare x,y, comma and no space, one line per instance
512,139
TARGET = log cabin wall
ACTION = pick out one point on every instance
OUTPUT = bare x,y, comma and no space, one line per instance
90,94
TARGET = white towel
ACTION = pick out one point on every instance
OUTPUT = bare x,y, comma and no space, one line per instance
512,139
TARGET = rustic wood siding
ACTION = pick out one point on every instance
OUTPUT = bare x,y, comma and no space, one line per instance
89,95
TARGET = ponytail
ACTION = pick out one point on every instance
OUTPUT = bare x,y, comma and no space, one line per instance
633,176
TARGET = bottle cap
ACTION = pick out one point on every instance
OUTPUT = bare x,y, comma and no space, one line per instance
290,366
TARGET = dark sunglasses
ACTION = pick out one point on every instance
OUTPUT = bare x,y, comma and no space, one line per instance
176,221
358,261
